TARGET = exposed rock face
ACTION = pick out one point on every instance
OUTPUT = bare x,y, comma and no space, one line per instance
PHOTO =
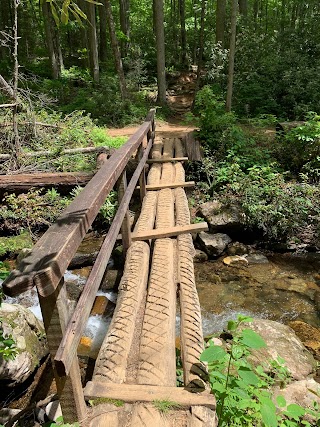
220,217
200,256
235,260
213,244
237,248
309,335
299,392
282,341
257,258
29,335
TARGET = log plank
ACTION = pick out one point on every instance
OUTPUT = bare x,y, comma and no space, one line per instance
148,393
161,233
167,160
170,185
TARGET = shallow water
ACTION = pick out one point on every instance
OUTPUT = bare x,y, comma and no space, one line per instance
284,289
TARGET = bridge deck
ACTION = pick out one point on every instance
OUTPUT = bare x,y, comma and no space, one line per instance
137,361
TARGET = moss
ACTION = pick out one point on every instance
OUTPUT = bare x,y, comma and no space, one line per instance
102,400
15,244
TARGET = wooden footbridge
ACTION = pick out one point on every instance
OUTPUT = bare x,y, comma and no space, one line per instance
137,361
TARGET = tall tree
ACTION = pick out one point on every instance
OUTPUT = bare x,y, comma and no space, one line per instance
125,25
161,62
232,51
93,42
103,52
243,8
52,41
116,49
220,21
15,82
182,12
201,44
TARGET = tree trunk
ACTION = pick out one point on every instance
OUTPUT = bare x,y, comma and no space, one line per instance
232,54
103,34
93,42
243,8
125,25
201,44
182,12
116,50
220,21
161,63
17,147
51,40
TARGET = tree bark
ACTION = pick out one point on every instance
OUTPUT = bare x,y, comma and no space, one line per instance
182,11
116,50
220,21
103,34
51,40
160,46
125,25
232,52
93,42
201,45
17,147
243,8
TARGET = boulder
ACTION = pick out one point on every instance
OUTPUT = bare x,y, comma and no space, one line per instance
257,258
282,341
29,335
213,244
235,261
303,393
220,217
309,335
237,248
200,256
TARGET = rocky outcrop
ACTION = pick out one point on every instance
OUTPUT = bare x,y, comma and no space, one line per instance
282,341
213,244
220,217
303,393
29,335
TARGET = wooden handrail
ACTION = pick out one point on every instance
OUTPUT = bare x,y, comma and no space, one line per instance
50,257
69,344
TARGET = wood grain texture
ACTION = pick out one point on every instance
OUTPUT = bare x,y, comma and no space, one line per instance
148,393
112,359
167,231
201,416
178,148
167,160
157,346
172,185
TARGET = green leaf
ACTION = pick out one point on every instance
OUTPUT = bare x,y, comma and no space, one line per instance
268,412
79,11
281,401
295,411
55,14
232,325
65,12
212,354
237,351
242,318
94,2
251,339
248,376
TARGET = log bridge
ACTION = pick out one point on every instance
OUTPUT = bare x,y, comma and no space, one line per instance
137,361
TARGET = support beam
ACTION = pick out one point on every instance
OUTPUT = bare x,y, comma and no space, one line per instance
170,159
161,233
173,185
147,393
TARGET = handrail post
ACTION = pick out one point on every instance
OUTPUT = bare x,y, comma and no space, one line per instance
126,226
55,315
142,178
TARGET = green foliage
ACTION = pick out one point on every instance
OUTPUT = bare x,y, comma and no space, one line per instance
8,348
165,406
60,423
4,270
243,392
13,244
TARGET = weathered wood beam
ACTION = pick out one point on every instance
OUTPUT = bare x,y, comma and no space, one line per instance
8,105
80,150
169,232
148,393
71,339
51,255
170,159
173,185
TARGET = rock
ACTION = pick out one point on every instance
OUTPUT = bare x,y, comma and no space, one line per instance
29,335
235,260
213,244
53,410
84,346
299,392
200,256
221,218
237,248
309,335
6,414
282,341
257,258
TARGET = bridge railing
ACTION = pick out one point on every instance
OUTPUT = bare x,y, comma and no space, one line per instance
45,266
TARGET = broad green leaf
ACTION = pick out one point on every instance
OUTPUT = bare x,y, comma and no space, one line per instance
243,318
251,339
55,14
65,12
237,351
212,354
78,19
248,376
268,412
232,325
295,411
79,11
281,401
94,2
